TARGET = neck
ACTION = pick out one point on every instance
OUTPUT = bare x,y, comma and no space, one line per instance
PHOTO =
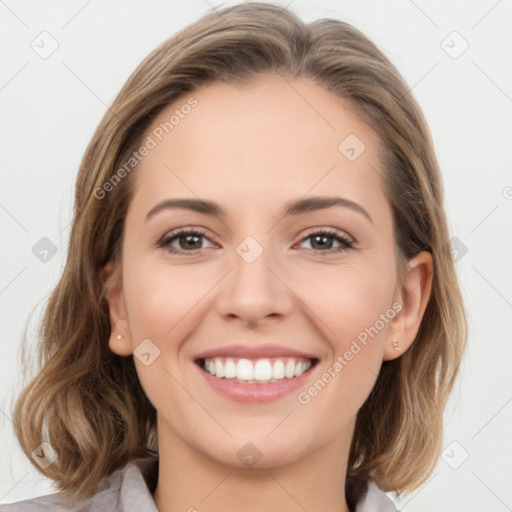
188,480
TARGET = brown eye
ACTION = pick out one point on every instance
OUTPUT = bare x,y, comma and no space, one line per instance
183,241
324,241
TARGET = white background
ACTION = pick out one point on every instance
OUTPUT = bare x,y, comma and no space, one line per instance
50,108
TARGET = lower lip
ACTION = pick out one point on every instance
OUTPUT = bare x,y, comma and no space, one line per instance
255,392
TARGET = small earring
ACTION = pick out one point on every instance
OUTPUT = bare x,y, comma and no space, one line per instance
118,336
396,346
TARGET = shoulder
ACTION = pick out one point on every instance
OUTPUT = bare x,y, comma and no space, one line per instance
375,500
57,502
126,490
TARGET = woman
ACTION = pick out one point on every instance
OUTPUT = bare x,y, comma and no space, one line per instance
259,301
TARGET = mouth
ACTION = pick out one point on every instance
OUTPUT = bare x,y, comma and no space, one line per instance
266,370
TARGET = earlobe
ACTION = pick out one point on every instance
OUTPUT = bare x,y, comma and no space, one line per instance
119,341
414,294
120,344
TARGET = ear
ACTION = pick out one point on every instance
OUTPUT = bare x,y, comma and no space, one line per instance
119,341
413,294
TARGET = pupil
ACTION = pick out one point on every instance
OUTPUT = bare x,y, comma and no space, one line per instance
323,242
189,238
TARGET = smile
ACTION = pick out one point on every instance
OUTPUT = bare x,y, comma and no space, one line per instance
256,371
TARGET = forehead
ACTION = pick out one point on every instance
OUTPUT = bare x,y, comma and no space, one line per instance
270,138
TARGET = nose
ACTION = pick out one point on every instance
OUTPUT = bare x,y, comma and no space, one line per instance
254,292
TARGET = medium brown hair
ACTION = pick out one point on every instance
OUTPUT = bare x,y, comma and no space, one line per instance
87,401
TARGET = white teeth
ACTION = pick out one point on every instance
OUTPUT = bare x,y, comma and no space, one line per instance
278,369
244,369
256,371
262,370
230,369
219,368
289,370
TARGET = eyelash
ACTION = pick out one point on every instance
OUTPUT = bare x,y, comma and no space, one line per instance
166,241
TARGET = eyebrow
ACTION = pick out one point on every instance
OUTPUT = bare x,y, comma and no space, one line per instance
295,207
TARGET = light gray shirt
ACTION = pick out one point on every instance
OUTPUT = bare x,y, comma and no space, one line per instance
126,490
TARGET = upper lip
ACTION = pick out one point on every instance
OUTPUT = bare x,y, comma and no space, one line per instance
254,352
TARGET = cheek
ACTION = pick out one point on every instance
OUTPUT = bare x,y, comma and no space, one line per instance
160,301
348,298
353,306
158,296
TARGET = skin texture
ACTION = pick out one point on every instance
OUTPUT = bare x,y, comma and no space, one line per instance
251,149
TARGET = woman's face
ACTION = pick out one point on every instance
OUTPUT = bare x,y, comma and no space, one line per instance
271,277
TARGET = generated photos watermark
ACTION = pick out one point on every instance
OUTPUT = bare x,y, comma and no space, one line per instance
151,142
358,343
